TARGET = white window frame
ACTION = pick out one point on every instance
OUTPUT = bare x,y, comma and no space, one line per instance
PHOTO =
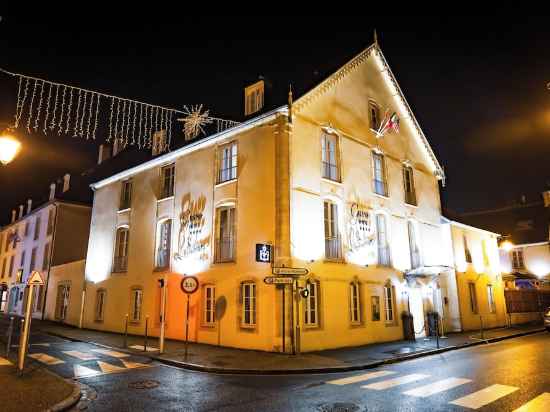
414,250
379,174
167,181
389,303
408,185
254,98
228,158
491,299
229,237
355,302
382,239
121,250
311,305
333,247
209,305
330,157
126,195
518,259
101,296
136,302
162,246
248,306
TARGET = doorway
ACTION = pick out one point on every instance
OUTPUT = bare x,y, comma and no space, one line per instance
62,301
416,305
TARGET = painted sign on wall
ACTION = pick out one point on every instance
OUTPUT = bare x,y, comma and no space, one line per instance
361,234
193,239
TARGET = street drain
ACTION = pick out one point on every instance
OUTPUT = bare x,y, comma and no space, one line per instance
146,384
339,407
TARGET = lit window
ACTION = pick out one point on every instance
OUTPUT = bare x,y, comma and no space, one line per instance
333,249
167,174
355,303
382,240
100,304
408,184
227,162
254,98
209,296
164,236
135,310
389,303
37,223
225,234
473,297
374,116
491,299
379,181
126,195
120,263
517,259
413,246
375,305
248,294
467,253
329,157
312,304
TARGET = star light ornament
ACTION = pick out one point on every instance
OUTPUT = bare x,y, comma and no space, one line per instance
194,121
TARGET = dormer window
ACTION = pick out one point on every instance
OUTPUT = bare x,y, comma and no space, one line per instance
254,98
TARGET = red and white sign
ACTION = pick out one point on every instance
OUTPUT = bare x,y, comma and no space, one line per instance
189,284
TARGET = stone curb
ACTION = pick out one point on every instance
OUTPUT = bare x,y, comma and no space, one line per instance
68,402
335,369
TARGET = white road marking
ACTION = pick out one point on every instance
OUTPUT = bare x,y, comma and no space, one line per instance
41,344
132,365
539,404
485,396
112,353
5,362
82,371
140,347
360,378
390,383
80,355
108,368
436,387
47,359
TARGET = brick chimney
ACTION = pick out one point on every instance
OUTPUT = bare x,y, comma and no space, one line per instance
52,191
66,182
13,215
29,206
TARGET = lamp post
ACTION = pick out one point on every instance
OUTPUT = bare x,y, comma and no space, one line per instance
9,146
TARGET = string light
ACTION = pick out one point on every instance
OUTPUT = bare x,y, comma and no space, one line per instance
39,109
91,104
69,107
62,111
52,123
47,109
98,97
111,120
30,107
77,113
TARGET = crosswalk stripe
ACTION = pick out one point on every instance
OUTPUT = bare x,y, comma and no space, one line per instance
82,371
360,378
108,368
80,355
4,362
390,383
132,365
485,396
112,353
47,359
436,387
539,404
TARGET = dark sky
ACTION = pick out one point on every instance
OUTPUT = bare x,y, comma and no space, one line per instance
476,84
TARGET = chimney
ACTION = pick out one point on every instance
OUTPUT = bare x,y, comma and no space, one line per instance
104,153
52,191
21,208
546,198
29,206
13,214
66,182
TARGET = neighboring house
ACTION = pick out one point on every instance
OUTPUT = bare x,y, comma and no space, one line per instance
311,179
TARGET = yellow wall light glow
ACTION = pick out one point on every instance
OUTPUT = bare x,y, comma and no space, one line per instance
9,147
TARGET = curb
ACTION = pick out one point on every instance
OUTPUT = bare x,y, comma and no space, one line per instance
336,369
68,402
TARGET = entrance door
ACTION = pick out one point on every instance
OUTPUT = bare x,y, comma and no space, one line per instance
416,304
62,301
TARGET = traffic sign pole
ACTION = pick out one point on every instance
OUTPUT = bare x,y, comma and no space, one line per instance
189,285
187,326
24,341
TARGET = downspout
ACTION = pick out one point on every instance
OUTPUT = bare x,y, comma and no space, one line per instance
50,261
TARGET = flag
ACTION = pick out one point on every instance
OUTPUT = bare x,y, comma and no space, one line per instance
389,124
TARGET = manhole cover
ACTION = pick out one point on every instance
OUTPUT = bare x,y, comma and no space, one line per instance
339,407
147,384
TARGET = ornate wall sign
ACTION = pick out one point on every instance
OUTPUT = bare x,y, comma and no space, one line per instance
193,239
361,234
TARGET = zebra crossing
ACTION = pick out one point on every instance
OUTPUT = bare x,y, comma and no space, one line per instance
425,389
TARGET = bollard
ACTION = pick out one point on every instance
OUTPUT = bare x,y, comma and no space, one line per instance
125,343
10,334
146,329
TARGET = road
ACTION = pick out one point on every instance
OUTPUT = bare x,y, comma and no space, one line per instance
496,377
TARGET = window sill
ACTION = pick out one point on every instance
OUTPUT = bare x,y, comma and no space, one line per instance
248,327
162,269
209,326
385,197
334,182
165,198
119,272
224,183
391,324
411,205
124,210
311,327
334,260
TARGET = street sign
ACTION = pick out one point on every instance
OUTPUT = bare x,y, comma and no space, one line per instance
263,252
35,279
189,284
290,271
274,280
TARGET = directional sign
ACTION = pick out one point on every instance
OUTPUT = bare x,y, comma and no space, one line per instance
35,279
274,280
290,271
189,284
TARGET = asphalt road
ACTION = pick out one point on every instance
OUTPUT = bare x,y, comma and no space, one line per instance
497,377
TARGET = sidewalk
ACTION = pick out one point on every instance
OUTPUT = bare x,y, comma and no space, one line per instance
218,359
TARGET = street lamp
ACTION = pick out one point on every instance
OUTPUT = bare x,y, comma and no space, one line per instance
9,147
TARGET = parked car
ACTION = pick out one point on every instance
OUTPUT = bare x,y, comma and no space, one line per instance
547,319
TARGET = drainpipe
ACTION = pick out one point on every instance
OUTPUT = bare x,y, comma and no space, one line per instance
50,261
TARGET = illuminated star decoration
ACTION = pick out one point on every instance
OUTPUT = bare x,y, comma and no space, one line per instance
194,121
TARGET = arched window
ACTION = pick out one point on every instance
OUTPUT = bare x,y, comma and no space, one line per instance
120,263
164,242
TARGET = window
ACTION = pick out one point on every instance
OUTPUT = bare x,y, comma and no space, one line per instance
39,294
473,297
100,304
333,249
467,254
15,238
413,246
126,195
375,304
164,240
227,162
355,303
209,305
517,259
389,303
491,299
10,273
312,304
7,244
380,186
33,259
120,263
26,232
37,223
46,258
62,301
4,264
248,293
225,234
167,181
51,217
408,183
382,239
136,300
374,116
329,157
254,98
22,263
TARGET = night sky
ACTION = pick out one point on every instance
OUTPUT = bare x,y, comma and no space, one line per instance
476,85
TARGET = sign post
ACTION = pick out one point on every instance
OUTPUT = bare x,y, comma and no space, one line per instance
34,280
189,285
163,284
